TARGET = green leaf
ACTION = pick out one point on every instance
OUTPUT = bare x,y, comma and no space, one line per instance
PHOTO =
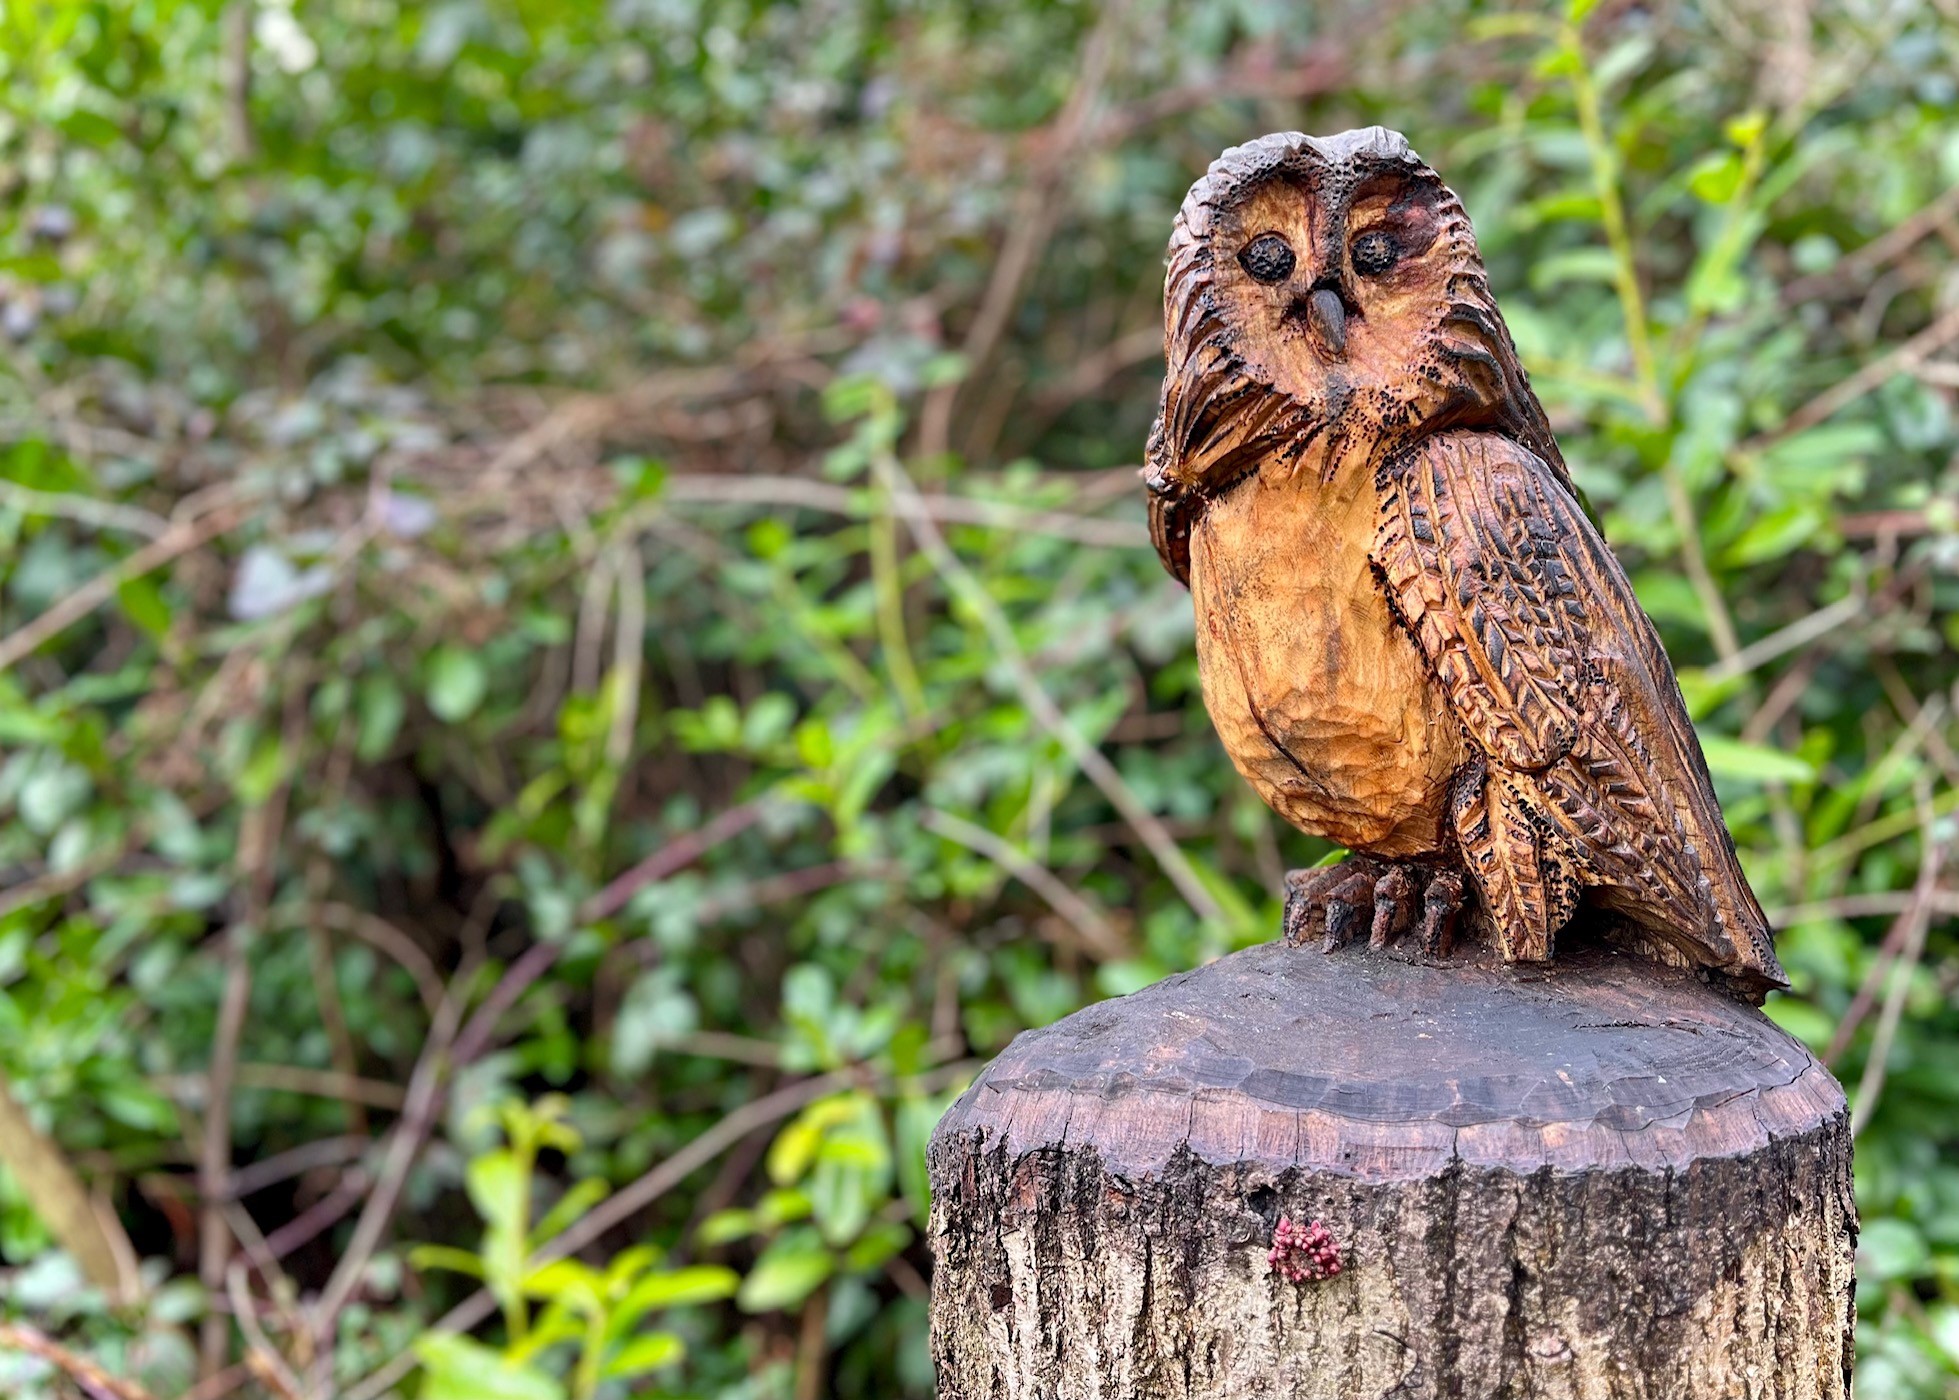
1730,758
791,1269
880,1243
380,707
1808,1023
1891,1249
142,602
796,1146
443,1256
1775,534
725,1227
92,128
1747,129
574,1203
783,1206
262,772
460,1369
576,1285
1716,177
457,683
916,1120
1573,265
679,1288
657,1008
844,1194
642,1354
499,1188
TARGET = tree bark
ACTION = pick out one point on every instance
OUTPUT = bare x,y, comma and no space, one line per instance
1594,1178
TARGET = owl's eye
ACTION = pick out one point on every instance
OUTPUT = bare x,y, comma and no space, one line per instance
1374,252
1268,258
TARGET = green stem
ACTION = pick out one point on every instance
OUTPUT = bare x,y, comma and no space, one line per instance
516,1316
586,1383
1754,157
889,587
1612,212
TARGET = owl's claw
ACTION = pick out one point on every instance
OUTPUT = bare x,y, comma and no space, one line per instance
1326,895
1441,908
1394,905
1398,896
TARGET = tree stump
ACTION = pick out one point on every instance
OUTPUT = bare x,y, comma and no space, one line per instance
1592,1178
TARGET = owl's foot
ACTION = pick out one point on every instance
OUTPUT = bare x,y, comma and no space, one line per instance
1397,896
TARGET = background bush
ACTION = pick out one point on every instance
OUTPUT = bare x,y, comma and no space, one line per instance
577,644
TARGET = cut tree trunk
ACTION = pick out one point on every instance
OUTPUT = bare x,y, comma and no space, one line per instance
1593,1178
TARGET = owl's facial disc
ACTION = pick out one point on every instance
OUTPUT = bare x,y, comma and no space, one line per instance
1324,300
1328,282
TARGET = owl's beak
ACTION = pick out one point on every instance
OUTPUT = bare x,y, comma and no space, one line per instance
1327,317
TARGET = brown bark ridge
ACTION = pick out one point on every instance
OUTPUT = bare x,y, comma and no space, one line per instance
1596,1178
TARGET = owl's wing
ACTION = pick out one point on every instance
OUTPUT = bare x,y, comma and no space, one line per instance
1595,779
1170,533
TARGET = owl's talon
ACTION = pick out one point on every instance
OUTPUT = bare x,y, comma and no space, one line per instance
1441,908
1394,906
1342,921
1307,892
1393,898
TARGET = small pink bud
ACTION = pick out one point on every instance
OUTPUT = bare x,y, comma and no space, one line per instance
1304,1254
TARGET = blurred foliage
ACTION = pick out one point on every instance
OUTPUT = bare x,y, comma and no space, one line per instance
588,555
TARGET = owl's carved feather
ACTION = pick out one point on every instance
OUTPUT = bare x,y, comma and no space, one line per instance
1534,632
1383,544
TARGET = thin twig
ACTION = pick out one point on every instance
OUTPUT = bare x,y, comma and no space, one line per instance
1847,391
218,1386
18,1336
1040,705
812,1346
1876,524
265,1361
214,1160
792,884
296,1161
237,59
1859,906
61,882
374,930
78,603
676,855
1916,920
1852,271
1262,76
258,850
1092,372
517,979
716,489
86,510
48,1180
404,1141
1799,633
293,1079
1036,211
321,1216
1097,934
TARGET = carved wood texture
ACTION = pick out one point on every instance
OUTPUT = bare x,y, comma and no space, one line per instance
1413,641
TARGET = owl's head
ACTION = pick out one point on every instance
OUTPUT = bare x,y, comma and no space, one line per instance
1325,300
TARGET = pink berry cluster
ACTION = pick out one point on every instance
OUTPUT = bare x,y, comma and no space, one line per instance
1304,1254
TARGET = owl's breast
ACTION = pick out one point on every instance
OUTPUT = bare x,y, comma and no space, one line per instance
1320,697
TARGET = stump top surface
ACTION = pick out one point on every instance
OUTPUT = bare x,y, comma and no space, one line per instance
1363,1063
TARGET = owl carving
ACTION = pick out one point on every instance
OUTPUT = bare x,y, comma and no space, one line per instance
1413,641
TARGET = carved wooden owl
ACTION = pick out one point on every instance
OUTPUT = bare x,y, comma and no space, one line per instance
1412,639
